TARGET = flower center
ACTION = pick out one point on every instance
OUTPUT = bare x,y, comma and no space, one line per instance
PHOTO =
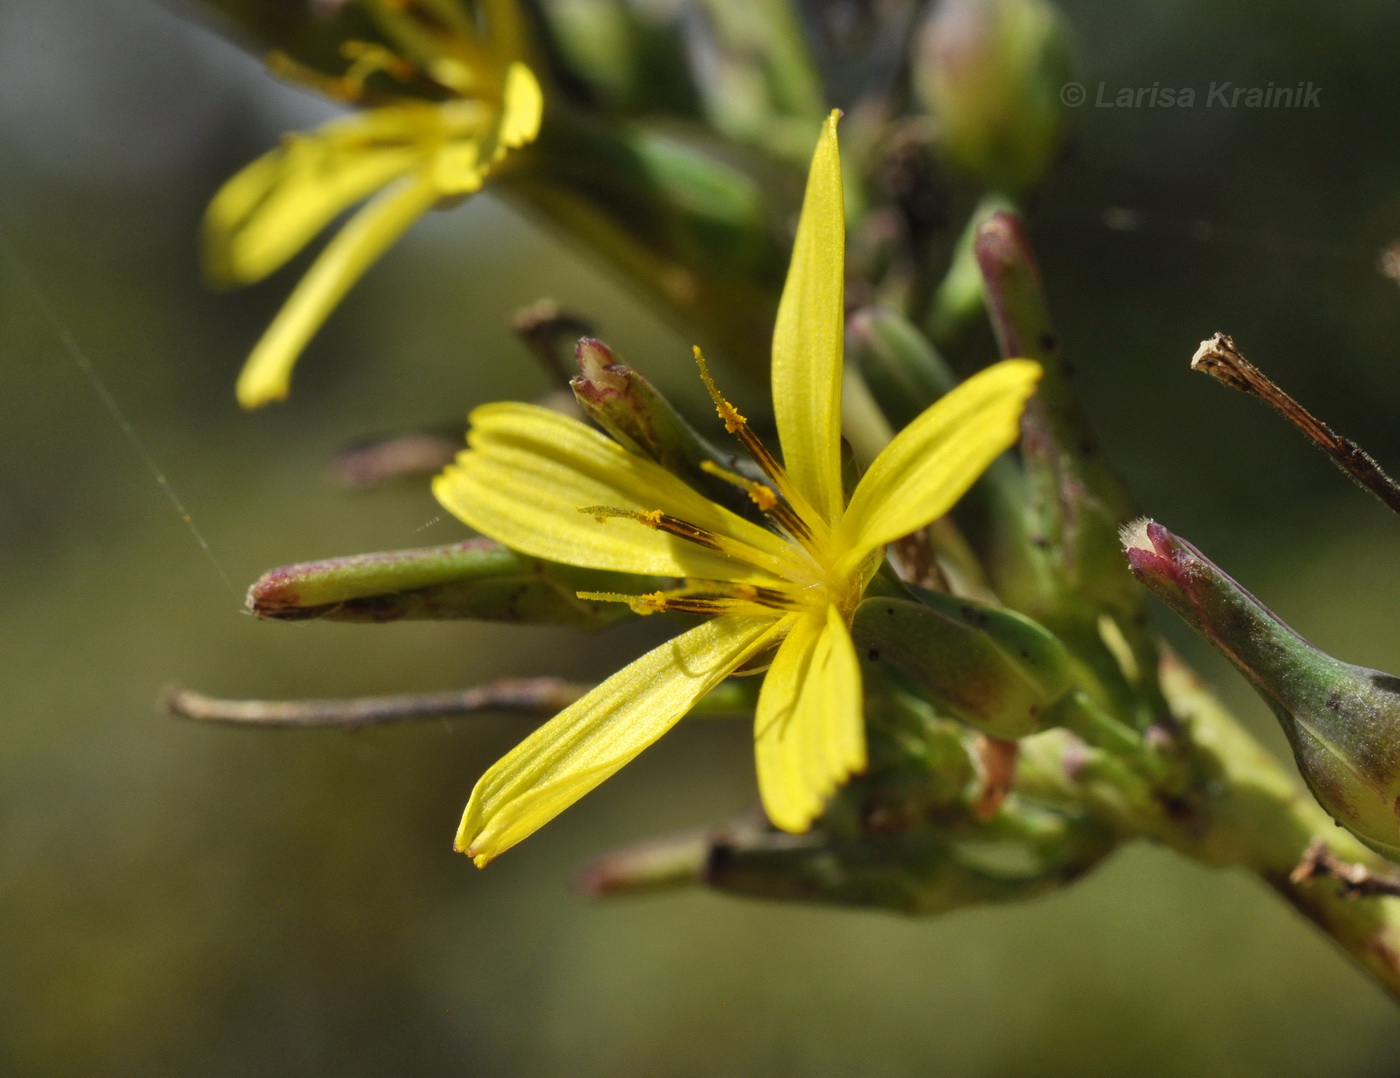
808,580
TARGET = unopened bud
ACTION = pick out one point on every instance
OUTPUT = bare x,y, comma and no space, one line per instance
632,410
476,579
904,371
1342,721
992,668
992,71
1075,503
935,867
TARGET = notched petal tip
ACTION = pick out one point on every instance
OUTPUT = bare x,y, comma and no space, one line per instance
465,845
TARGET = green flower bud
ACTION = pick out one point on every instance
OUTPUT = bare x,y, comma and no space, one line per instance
1026,851
992,72
960,299
475,579
992,668
904,371
632,410
1066,569
1342,721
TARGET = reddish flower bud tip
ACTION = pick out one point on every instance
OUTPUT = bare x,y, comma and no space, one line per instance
273,592
1002,246
1343,721
1147,546
601,374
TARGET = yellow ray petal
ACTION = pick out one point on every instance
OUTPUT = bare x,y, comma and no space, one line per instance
522,105
463,163
930,464
591,739
809,731
267,374
530,470
807,338
460,166
273,207
437,35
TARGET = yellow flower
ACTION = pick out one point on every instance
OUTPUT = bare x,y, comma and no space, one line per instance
554,488
414,152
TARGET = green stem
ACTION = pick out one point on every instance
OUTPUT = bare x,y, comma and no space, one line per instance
1238,808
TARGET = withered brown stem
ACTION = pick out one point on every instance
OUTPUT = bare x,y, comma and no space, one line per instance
1219,358
541,696
549,333
398,456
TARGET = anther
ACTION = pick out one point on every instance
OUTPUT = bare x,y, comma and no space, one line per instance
707,598
658,521
738,426
728,414
638,603
763,496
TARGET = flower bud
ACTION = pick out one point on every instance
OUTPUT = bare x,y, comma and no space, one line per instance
939,866
992,72
1066,569
632,410
1342,721
904,371
992,668
475,579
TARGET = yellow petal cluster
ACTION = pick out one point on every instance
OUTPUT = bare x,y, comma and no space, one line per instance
400,158
554,488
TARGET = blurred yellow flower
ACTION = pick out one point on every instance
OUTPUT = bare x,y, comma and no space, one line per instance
409,152
555,488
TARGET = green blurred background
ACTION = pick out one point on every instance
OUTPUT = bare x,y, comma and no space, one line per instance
185,900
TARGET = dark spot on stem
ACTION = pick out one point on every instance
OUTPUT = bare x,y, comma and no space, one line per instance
1386,682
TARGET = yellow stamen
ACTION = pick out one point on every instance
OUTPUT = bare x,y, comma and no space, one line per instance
709,598
664,522
636,602
365,58
733,421
763,496
738,426
682,529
